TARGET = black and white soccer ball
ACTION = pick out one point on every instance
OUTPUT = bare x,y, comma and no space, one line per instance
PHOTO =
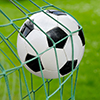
44,44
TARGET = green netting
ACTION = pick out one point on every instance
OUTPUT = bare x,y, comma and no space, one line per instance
15,81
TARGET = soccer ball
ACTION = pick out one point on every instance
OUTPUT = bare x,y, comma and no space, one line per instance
52,47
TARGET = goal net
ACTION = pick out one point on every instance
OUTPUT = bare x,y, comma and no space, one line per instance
15,81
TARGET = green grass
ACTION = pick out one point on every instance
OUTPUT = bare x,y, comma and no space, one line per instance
87,12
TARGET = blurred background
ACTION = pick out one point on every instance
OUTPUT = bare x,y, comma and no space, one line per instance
87,12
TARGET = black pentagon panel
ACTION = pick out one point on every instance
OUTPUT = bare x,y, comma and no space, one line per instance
27,28
56,34
81,35
34,64
67,67
56,12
